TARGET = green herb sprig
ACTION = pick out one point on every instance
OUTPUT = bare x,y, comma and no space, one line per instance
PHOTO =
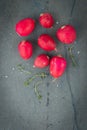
39,96
74,63
22,69
41,75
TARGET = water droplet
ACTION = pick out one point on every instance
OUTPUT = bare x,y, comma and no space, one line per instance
6,76
75,42
57,85
43,8
13,68
78,52
57,22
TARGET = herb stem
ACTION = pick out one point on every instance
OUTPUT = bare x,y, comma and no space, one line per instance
72,56
37,91
22,69
29,80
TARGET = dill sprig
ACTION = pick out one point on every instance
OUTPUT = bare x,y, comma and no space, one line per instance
41,75
37,92
22,69
74,63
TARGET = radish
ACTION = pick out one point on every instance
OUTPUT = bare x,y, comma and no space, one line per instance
66,34
25,26
57,66
46,42
46,20
41,61
25,49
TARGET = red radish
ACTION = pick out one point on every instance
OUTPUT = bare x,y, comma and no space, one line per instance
25,26
66,34
41,61
57,66
25,49
46,20
46,42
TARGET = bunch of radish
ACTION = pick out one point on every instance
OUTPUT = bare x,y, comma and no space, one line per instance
65,34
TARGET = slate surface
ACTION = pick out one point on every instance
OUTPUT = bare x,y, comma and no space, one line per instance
64,102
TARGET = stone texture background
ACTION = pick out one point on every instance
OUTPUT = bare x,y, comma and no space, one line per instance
64,102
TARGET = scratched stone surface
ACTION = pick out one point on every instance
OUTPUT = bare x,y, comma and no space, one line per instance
64,101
